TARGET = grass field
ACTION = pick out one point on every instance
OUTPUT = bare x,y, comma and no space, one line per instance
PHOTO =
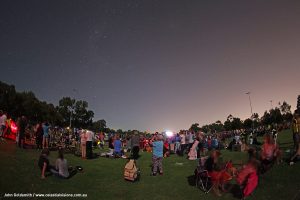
103,177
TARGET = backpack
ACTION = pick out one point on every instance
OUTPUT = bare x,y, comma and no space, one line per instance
131,172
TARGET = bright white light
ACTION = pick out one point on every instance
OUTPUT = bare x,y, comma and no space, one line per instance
169,133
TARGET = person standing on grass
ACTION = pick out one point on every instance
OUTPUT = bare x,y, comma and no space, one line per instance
46,127
192,155
177,143
296,131
182,143
89,144
135,144
101,138
83,144
157,154
3,118
295,157
190,139
22,127
38,135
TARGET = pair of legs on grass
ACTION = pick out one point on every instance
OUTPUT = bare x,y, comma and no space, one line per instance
157,165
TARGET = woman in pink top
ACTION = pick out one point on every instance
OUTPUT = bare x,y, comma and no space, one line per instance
83,144
268,149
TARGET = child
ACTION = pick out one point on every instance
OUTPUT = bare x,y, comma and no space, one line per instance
157,154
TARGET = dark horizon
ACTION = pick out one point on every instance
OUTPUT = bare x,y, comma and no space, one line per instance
152,65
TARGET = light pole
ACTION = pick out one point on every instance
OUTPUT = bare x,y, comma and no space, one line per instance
72,107
248,93
71,113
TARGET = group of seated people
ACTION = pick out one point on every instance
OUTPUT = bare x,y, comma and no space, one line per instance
220,174
60,169
247,176
115,148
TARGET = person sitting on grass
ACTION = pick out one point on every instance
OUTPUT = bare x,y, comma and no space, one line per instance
62,169
231,144
247,177
117,146
111,145
251,167
270,153
219,175
44,164
157,154
192,155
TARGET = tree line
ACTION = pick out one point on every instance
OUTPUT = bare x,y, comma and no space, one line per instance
281,115
75,113
68,112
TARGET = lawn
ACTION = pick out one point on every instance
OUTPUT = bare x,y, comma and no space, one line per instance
103,177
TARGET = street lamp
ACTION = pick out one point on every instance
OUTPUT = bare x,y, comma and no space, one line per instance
71,113
72,108
248,93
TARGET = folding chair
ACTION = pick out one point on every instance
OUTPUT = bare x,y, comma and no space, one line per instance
203,180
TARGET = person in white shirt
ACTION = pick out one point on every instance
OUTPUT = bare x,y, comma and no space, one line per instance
3,119
182,143
61,166
89,144
83,143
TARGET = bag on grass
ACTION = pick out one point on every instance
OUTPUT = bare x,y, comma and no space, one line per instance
131,172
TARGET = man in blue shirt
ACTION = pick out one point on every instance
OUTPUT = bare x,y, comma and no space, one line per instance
157,154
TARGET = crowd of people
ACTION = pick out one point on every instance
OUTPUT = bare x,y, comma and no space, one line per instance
193,145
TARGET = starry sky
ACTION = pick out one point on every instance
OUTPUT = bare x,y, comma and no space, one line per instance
154,65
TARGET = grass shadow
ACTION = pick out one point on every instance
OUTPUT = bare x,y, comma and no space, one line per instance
191,180
235,190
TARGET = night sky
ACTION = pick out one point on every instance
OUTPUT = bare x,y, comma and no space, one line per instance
154,65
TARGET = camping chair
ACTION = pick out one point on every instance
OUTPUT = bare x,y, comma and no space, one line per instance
203,180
